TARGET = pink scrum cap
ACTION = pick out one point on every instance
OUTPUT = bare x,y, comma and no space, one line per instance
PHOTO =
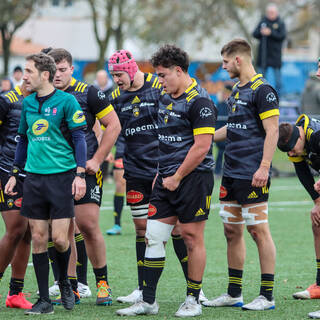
122,60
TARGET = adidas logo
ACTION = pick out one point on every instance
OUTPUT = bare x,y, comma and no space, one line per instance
236,96
200,212
135,100
169,107
252,195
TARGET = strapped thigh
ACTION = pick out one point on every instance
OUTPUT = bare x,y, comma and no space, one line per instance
231,213
255,214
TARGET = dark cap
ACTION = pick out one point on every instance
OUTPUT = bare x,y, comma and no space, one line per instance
17,68
291,142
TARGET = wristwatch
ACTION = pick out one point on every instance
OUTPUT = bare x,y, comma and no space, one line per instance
82,175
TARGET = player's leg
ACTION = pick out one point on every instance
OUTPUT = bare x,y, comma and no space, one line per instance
256,216
118,198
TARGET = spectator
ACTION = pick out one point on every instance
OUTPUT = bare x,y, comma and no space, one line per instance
103,82
17,76
6,85
271,32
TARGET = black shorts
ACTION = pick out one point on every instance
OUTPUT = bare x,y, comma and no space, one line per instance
8,203
190,201
242,191
138,191
48,196
94,189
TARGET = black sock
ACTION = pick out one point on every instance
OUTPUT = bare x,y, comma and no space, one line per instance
235,282
267,282
41,268
62,262
140,250
1,275
182,254
82,263
52,252
101,274
16,286
118,205
74,283
151,274
193,288
318,272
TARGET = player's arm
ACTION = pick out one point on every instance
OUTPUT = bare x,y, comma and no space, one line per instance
306,178
203,130
220,134
267,105
107,116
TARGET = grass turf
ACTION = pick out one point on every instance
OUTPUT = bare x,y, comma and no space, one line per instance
295,270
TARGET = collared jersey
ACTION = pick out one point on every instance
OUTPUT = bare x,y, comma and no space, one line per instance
94,104
311,128
45,124
248,105
10,112
179,120
137,112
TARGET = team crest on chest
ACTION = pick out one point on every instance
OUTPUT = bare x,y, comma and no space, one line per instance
136,111
166,118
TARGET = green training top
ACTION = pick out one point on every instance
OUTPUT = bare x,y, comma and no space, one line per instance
47,123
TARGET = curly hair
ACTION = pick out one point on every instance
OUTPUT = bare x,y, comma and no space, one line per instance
169,56
43,62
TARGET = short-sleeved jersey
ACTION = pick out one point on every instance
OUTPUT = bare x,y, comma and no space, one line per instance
94,104
179,120
10,111
137,111
311,128
248,105
45,123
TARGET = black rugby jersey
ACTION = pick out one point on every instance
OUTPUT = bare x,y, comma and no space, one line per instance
137,111
179,120
311,128
94,104
10,112
248,105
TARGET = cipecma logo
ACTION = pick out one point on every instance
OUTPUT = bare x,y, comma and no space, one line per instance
40,127
78,117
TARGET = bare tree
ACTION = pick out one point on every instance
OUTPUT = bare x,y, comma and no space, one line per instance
14,14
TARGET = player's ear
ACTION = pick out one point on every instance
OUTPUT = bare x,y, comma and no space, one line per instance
178,70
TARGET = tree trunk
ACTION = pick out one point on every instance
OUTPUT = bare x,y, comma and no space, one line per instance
6,41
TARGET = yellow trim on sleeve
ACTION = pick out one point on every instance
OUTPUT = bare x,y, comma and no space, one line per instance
149,77
296,159
18,90
104,112
269,113
203,130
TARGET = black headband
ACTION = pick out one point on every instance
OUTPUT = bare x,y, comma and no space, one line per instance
291,142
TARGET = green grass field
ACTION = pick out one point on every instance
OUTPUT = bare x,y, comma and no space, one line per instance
291,229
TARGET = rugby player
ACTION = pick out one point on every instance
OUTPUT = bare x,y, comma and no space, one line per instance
94,105
251,136
15,244
185,126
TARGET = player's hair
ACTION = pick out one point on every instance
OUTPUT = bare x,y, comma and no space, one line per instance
60,54
285,131
43,62
236,46
170,56
288,136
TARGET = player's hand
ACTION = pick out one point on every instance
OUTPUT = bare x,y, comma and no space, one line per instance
92,166
317,186
260,178
79,188
110,158
171,183
8,189
265,31
315,214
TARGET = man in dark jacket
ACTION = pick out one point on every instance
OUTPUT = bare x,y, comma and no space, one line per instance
271,32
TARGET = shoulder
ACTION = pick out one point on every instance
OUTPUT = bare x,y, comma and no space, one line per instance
152,80
78,86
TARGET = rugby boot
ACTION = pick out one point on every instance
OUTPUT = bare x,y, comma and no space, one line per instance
18,301
314,315
189,308
67,295
225,300
259,304
42,306
313,292
103,294
139,308
58,301
132,298
115,230
84,290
